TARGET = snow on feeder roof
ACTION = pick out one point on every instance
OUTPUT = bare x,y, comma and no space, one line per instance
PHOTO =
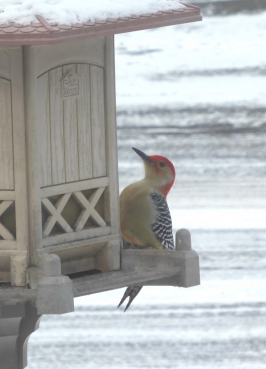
32,22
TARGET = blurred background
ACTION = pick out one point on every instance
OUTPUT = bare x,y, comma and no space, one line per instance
195,93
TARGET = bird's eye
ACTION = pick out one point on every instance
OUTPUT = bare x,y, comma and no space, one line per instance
162,164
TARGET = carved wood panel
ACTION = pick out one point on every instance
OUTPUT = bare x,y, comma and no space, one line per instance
72,124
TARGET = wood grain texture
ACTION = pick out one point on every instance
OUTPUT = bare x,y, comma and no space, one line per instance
84,123
72,126
57,127
6,137
19,139
70,131
98,122
45,129
32,149
112,192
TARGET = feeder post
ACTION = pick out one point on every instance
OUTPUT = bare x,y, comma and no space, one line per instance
33,156
188,260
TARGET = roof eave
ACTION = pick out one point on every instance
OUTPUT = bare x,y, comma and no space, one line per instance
104,28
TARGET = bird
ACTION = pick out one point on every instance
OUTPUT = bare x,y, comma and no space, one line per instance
144,213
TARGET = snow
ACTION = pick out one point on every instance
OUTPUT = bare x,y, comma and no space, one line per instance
74,11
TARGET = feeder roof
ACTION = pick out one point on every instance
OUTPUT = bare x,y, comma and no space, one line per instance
46,31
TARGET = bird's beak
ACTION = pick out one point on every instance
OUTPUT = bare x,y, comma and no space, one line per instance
143,156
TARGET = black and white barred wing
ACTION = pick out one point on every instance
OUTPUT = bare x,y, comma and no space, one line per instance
162,226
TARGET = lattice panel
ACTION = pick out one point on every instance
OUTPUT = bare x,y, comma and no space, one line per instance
73,212
7,220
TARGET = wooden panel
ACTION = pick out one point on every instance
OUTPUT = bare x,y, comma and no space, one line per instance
98,122
7,195
5,63
93,246
57,127
72,124
75,236
70,131
8,245
84,123
89,50
73,187
45,134
6,139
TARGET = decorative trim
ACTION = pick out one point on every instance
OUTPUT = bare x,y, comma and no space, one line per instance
74,186
7,195
75,236
35,34
55,215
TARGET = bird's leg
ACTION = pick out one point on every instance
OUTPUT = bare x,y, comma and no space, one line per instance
130,292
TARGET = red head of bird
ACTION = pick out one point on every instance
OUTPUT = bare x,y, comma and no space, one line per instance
159,171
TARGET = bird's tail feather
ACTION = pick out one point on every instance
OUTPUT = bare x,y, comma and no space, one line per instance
130,292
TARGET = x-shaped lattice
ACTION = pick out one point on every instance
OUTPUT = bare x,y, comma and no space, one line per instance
88,208
4,232
55,215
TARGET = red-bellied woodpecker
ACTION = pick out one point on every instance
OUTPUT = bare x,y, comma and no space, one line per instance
144,213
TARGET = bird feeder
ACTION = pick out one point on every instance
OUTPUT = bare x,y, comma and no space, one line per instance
59,214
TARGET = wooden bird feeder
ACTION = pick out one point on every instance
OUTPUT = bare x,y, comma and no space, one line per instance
59,214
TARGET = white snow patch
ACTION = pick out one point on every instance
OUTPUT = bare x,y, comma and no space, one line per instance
70,12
